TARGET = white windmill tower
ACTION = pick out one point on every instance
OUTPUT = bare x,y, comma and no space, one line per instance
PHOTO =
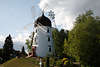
42,42
42,39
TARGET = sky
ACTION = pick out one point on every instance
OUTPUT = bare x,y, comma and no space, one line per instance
14,16
17,16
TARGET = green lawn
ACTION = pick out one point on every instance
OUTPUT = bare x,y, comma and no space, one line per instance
22,62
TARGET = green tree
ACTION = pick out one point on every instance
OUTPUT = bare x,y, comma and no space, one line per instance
23,51
1,56
29,41
66,47
58,38
84,39
8,48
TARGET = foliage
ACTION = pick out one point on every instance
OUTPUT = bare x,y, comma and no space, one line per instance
59,63
1,56
23,51
84,40
65,61
66,47
1,52
29,42
8,48
58,38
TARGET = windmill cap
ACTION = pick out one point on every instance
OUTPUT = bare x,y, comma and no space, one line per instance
43,21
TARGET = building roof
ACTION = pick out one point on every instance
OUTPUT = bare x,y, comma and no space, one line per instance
43,21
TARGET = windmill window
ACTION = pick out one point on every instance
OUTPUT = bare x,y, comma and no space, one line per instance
35,39
48,30
36,30
48,38
49,48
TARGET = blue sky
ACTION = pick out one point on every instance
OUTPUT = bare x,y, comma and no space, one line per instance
15,14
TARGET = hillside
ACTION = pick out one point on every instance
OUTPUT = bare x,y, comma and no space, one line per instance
22,62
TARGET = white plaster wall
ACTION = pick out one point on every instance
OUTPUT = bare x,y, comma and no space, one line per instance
42,42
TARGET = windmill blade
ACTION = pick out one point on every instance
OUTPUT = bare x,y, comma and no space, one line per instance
43,29
51,16
33,9
40,26
32,38
28,25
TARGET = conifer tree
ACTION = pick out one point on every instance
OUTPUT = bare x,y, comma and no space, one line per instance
23,50
8,48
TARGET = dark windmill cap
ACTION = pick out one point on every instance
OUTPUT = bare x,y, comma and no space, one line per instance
43,21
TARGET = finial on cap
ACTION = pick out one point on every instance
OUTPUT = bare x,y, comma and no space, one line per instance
43,12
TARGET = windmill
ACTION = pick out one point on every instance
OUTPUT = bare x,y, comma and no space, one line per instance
41,40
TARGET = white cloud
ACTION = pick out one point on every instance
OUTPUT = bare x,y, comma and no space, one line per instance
2,39
65,13
18,40
67,10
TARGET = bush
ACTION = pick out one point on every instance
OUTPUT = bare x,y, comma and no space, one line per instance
59,63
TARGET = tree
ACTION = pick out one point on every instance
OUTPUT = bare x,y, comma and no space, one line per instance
66,46
58,38
84,40
23,50
29,42
1,56
8,48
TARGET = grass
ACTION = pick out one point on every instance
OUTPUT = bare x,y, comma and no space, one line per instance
22,62
25,62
